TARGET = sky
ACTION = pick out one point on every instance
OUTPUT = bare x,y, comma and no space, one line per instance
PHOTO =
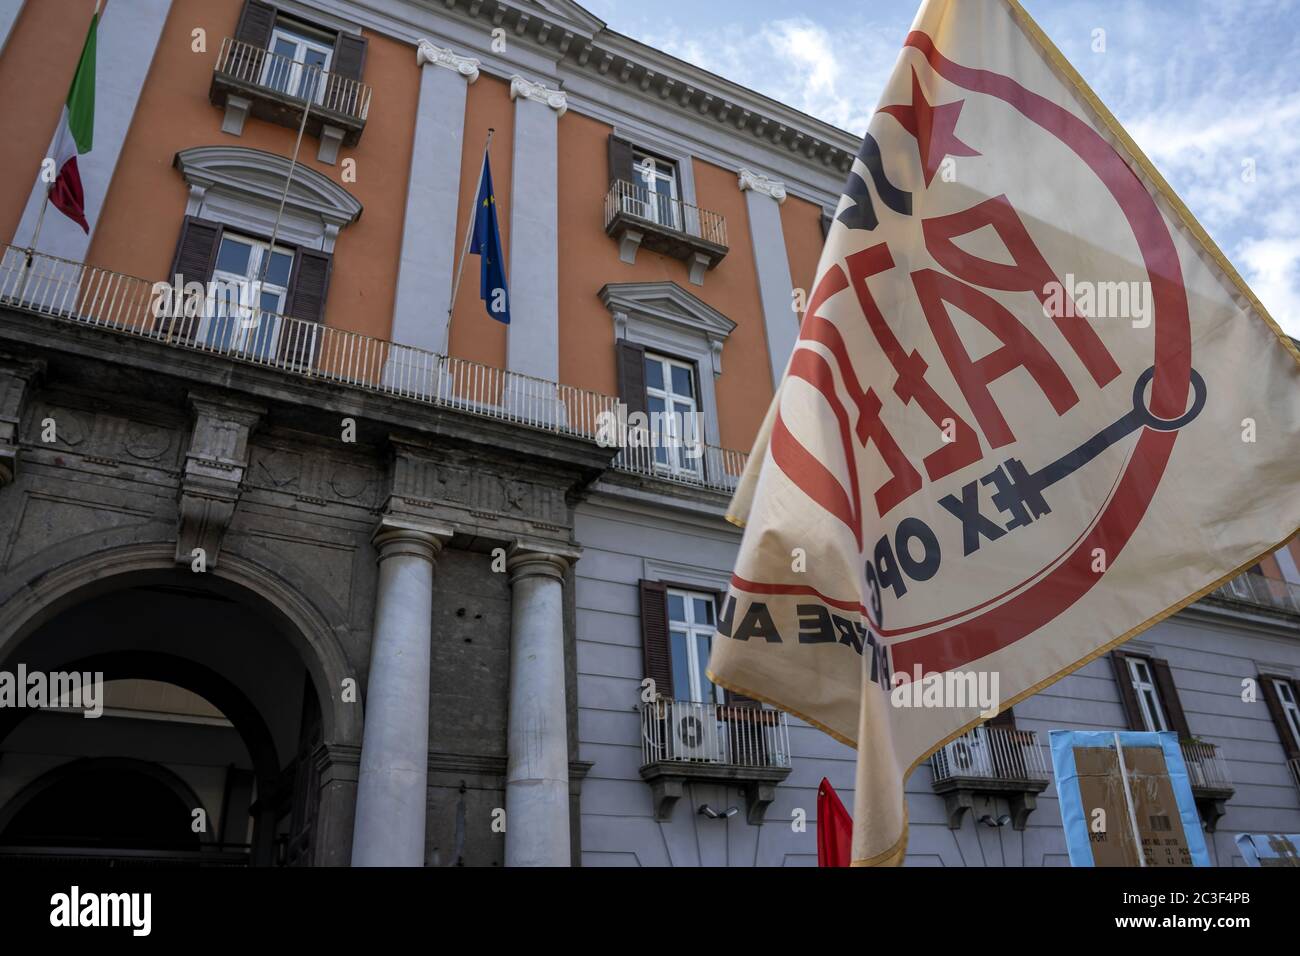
1209,89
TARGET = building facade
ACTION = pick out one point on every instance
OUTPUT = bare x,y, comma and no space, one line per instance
364,579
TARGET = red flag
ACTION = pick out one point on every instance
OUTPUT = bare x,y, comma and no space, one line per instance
834,828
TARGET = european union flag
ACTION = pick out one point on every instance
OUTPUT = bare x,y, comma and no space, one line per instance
486,244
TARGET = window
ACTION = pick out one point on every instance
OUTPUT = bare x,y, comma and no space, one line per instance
690,631
299,55
656,197
1290,710
246,297
1148,696
673,407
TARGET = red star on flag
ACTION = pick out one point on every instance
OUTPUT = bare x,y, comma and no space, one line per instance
933,126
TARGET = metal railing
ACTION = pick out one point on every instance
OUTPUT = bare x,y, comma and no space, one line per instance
737,736
648,206
1262,590
206,321
1206,770
706,466
991,753
279,74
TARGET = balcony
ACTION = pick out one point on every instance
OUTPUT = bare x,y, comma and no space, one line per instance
250,80
990,762
738,745
1208,774
637,218
125,305
1261,591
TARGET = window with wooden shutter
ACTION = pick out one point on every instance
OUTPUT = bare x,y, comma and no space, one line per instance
349,56
1282,696
1148,694
308,288
621,160
194,260
631,375
256,21
654,637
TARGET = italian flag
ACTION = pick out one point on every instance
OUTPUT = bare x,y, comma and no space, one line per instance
76,134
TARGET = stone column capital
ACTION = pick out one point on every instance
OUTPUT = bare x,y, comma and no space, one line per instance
428,53
762,184
395,536
538,93
527,559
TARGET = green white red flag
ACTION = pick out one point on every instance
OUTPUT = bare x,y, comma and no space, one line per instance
76,135
1032,411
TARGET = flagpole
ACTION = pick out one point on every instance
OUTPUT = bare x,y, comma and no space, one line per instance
45,204
279,213
469,233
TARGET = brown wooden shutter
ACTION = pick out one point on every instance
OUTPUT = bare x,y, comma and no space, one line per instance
654,637
620,159
631,375
194,260
1169,698
1005,720
349,58
1278,714
256,22
1127,695
308,288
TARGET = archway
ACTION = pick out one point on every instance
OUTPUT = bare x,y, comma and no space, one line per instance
245,753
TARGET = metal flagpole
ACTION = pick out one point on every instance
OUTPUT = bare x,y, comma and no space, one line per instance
45,204
284,196
469,234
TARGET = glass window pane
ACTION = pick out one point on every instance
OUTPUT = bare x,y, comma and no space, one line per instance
703,611
285,47
277,273
654,373
682,384
233,257
681,667
704,691
676,608
271,301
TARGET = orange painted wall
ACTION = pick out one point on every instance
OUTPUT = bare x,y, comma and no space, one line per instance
801,222
474,335
35,73
589,259
142,215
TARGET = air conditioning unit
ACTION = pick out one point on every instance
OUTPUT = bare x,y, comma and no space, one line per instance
695,731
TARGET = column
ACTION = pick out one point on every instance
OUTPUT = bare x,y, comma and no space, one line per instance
128,36
393,776
533,347
763,197
537,736
428,257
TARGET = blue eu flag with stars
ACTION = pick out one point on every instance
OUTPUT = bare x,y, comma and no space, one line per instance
486,244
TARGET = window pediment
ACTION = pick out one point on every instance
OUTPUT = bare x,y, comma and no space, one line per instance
257,177
667,313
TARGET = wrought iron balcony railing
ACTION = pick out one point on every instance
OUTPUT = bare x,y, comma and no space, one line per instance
994,754
258,69
724,734
126,305
1263,591
659,211
1206,770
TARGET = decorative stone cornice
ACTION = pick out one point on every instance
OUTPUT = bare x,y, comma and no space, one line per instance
555,99
762,184
429,52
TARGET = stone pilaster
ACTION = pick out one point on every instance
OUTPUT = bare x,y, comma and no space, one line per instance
16,379
763,197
